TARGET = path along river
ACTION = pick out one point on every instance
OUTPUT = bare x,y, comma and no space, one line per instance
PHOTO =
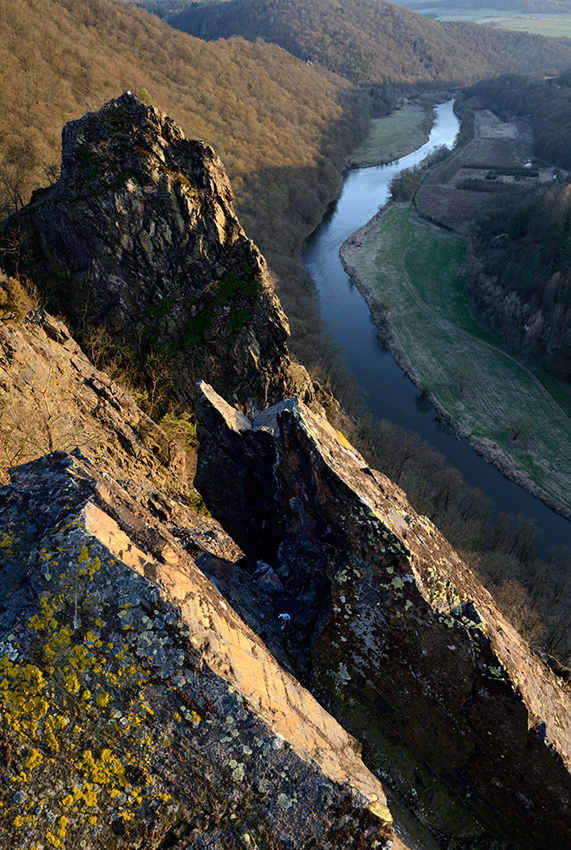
390,394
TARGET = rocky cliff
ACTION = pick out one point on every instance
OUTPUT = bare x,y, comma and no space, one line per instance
139,235
392,631
113,644
138,710
151,655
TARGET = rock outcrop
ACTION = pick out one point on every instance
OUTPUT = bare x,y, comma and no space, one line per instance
139,234
137,709
52,397
141,702
392,631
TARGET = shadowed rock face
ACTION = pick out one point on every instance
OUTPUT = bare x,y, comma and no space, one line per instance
402,643
139,233
138,710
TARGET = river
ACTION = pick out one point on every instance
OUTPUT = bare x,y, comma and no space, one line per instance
389,392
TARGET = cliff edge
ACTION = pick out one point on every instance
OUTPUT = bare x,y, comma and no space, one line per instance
391,631
137,709
139,235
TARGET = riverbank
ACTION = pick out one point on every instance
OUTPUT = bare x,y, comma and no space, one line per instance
390,138
438,347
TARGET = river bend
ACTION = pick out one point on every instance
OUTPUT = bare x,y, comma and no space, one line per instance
390,393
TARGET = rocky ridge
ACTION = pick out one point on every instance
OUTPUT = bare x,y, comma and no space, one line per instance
137,708
139,235
392,631
140,697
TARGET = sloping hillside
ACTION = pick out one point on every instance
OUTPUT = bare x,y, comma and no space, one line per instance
369,41
281,129
257,106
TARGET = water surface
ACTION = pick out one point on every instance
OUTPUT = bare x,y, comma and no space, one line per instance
390,394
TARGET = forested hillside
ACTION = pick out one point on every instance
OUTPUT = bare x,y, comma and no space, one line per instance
519,272
254,103
546,104
370,41
282,129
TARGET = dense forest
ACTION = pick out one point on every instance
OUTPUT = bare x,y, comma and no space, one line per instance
519,273
165,7
368,41
259,107
282,129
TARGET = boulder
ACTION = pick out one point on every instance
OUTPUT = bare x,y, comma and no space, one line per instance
137,709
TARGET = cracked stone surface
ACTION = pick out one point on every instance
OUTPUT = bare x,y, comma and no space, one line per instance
139,234
159,718
392,631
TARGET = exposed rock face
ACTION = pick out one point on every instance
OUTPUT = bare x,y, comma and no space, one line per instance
138,710
51,396
402,643
139,233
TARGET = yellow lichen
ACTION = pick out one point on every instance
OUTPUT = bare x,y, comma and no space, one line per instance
52,707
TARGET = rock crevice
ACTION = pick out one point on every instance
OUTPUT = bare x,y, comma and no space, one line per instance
395,634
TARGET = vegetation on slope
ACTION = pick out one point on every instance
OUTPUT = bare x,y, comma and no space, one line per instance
283,130
256,105
519,275
415,270
518,272
370,41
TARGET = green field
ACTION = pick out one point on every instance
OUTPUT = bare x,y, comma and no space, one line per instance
415,272
553,26
391,138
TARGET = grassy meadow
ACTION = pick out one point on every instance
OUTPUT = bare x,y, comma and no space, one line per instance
415,272
549,25
391,138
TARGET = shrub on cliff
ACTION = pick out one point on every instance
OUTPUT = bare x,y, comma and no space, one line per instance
15,300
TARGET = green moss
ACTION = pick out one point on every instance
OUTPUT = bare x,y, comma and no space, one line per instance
196,502
160,310
224,292
151,335
241,319
196,327
230,286
89,161
122,178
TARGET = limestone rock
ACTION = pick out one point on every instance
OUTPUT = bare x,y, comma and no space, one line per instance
138,710
139,234
402,643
